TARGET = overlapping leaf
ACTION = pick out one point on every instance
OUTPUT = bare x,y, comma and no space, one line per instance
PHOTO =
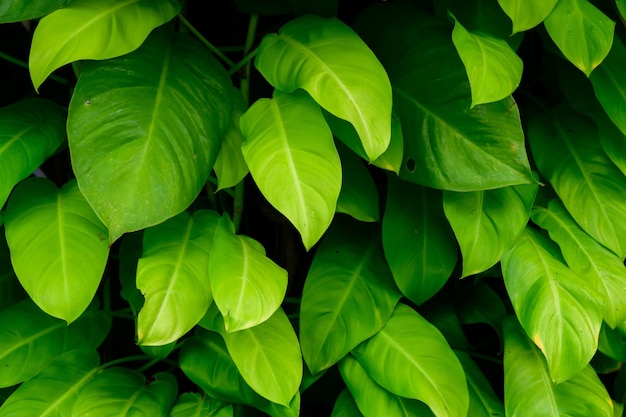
30,131
483,401
328,60
58,229
345,406
418,242
581,31
144,130
292,158
358,196
247,286
173,276
21,10
431,374
559,309
348,295
568,153
526,14
191,404
10,289
529,391
487,222
94,29
447,146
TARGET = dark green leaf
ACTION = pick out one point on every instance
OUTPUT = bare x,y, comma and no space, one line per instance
483,401
609,84
345,406
10,289
480,304
21,10
359,196
196,405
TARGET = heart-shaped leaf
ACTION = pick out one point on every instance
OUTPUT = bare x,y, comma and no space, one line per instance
529,391
94,29
487,222
144,130
559,309
173,276
191,404
58,228
526,14
293,160
21,10
30,131
568,153
419,244
581,31
348,295
328,60
431,374
247,286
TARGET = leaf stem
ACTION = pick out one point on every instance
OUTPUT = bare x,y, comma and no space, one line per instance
119,361
249,57
23,64
205,41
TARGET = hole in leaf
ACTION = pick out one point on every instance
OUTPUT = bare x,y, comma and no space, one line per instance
410,164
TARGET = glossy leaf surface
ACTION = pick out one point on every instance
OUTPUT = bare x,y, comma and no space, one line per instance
247,286
447,145
418,242
493,68
526,14
569,154
30,131
293,160
348,295
528,389
609,84
359,196
431,374
58,228
328,60
21,10
487,222
94,29
559,310
144,130
230,166
581,31
196,405
173,276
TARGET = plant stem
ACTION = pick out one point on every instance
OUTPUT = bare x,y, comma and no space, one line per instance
205,41
249,57
125,360
23,64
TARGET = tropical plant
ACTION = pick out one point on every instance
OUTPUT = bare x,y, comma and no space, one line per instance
432,224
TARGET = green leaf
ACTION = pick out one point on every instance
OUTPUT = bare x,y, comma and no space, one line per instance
144,130
53,391
478,303
131,248
348,295
94,29
493,68
600,267
247,286
30,131
359,196
419,244
447,145
230,166
526,14
292,158
372,399
173,276
559,310
483,401
328,60
10,289
431,374
612,342
487,222
345,406
528,390
31,339
568,153
21,10
581,32
195,405
58,228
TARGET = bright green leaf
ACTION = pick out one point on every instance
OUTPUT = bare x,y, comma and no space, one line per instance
247,286
53,391
21,10
431,374
526,14
582,32
419,244
144,130
230,166
94,29
328,60
559,310
195,405
493,68
348,295
359,196
529,391
30,131
58,228
483,401
487,222
292,158
345,406
568,153
173,276
447,145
